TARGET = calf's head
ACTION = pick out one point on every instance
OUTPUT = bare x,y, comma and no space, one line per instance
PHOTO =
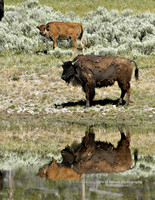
55,171
42,29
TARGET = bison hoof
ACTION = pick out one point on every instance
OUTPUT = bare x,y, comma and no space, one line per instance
87,106
118,104
126,105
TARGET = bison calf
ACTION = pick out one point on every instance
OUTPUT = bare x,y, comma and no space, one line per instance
63,30
92,71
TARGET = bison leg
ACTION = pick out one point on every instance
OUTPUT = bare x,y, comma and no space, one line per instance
82,45
89,89
121,97
128,97
125,88
74,39
54,43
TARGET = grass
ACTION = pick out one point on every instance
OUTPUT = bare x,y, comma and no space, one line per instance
40,113
36,81
82,7
31,87
51,133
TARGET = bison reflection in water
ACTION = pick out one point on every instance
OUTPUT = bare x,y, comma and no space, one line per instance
92,71
90,157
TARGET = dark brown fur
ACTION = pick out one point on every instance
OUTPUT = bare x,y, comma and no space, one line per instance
91,156
1,9
63,30
100,157
92,71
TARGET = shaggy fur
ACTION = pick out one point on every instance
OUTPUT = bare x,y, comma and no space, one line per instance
89,157
92,71
99,157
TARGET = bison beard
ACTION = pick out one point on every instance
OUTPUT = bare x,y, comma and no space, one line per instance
92,71
1,9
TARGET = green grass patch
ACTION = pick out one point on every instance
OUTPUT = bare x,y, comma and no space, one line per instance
82,7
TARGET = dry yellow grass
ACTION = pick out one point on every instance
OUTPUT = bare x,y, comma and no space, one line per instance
55,141
30,88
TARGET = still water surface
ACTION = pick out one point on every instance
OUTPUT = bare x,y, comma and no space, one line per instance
86,171
23,183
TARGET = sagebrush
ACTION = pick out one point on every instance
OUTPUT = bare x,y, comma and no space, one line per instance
105,32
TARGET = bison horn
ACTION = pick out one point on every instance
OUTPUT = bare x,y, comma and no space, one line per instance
73,63
62,61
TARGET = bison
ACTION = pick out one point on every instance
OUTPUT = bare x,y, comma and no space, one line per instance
63,30
91,71
1,9
90,157
58,171
100,157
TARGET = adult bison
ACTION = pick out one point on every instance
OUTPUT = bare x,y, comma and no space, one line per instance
63,30
1,9
92,71
90,157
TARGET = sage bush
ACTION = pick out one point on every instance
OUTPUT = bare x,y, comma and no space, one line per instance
106,33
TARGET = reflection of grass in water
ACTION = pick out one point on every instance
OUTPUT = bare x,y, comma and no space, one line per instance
49,134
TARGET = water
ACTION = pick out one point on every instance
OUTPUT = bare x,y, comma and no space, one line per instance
23,183
80,172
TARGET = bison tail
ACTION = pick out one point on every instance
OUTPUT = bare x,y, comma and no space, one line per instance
136,74
81,34
136,70
135,158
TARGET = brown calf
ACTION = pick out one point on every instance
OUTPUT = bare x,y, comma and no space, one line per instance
63,30
58,171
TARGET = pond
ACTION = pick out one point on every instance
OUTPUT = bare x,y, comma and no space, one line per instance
92,168
23,183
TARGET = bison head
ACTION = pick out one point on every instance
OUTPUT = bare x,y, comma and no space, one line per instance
42,29
68,71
